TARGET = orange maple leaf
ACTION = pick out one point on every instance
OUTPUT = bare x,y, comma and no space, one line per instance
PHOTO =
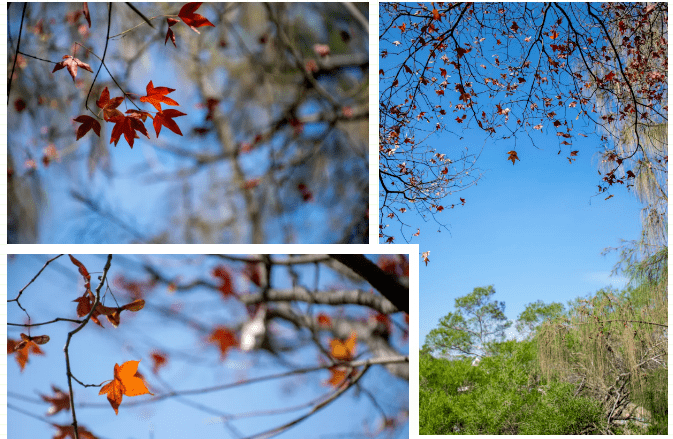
165,118
512,156
88,123
60,401
339,375
127,381
23,353
65,431
187,14
344,349
71,64
156,95
224,339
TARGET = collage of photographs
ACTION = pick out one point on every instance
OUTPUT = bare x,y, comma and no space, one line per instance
203,241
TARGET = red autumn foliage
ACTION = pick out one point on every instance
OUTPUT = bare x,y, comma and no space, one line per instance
224,339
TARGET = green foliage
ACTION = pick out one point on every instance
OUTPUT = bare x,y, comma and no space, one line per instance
536,313
476,322
654,398
503,396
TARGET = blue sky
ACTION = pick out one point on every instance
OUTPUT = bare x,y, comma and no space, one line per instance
534,230
193,363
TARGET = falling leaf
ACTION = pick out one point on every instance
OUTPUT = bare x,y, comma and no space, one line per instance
165,118
88,123
127,381
344,349
188,16
573,153
512,156
156,95
425,256
609,197
224,339
71,64
60,401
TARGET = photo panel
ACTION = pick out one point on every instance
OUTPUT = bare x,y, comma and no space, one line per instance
188,123
212,345
523,146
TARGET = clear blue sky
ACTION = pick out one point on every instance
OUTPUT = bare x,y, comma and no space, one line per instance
192,364
533,229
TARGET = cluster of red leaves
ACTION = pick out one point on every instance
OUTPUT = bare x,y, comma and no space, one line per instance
224,339
133,122
113,314
127,381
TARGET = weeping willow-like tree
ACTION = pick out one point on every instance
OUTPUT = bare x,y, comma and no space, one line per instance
610,344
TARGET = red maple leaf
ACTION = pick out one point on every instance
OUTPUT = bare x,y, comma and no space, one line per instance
170,34
23,353
156,95
188,16
127,125
65,431
71,64
159,359
224,339
512,156
60,401
165,118
108,105
88,123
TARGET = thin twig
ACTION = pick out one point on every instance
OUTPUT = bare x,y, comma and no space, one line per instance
75,331
107,39
130,5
